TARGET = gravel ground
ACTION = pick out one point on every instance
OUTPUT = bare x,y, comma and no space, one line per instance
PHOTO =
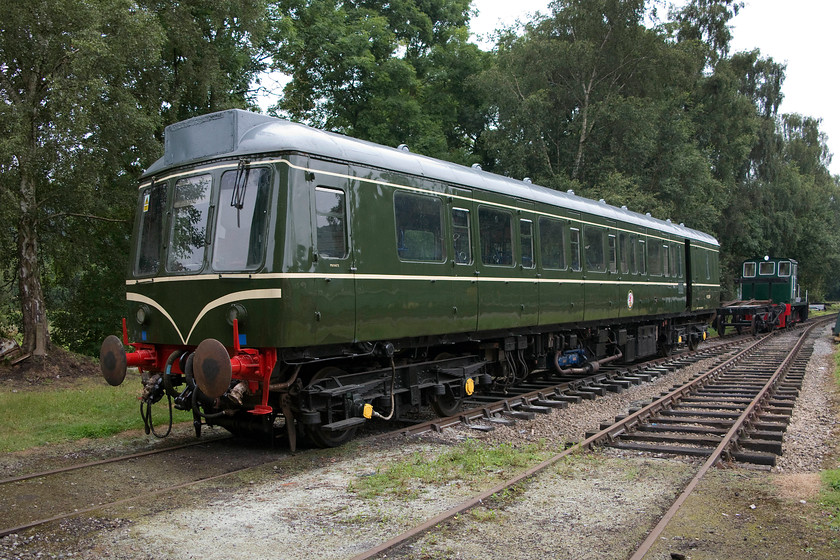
814,418
597,505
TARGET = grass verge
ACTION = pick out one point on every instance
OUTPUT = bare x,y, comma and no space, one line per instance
470,462
89,408
830,497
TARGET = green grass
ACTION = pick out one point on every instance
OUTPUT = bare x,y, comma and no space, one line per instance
469,462
830,497
90,408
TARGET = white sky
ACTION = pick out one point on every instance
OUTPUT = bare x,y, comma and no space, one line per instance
801,33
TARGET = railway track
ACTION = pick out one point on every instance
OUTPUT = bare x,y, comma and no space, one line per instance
747,427
36,499
541,396
32,500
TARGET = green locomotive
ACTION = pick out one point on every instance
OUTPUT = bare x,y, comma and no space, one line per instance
768,297
282,272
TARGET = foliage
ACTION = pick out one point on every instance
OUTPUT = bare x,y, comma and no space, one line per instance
599,96
76,121
85,91
830,495
210,55
662,119
390,72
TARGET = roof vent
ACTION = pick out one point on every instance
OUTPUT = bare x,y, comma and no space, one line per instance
476,166
527,180
682,224
602,201
647,214
668,220
403,148
570,191
624,207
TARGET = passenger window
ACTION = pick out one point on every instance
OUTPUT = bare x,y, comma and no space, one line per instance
188,237
526,239
593,238
654,259
150,239
574,241
611,246
240,227
331,222
461,236
552,246
495,236
680,262
625,252
674,262
784,268
749,270
766,268
708,268
419,222
641,256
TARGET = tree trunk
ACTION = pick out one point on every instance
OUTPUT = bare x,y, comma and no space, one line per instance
29,271
584,133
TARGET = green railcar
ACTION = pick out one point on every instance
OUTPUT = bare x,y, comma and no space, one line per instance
278,271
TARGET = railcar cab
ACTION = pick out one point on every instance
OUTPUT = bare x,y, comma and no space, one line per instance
773,279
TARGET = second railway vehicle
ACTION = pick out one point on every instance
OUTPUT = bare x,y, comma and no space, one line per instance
282,273
768,297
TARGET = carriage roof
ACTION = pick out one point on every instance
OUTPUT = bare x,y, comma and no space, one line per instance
237,133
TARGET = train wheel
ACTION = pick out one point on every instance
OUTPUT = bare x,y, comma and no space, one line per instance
446,404
693,342
720,325
320,436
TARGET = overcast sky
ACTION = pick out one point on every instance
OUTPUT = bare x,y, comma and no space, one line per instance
803,34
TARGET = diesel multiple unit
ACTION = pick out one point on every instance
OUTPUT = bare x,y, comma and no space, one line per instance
279,272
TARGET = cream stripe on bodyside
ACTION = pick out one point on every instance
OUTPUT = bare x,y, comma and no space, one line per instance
139,298
409,277
209,276
236,296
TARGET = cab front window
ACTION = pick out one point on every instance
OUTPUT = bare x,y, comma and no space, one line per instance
188,235
240,233
152,212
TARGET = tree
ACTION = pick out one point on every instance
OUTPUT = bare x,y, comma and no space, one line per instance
706,22
211,54
390,72
73,112
549,85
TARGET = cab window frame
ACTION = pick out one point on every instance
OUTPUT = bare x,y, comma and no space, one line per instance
765,266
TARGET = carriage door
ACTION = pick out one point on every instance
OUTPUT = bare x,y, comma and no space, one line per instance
332,258
465,285
689,288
